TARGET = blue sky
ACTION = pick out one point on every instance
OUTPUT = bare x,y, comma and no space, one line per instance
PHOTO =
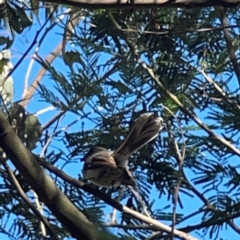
20,45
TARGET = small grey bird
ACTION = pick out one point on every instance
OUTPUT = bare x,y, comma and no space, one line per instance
109,168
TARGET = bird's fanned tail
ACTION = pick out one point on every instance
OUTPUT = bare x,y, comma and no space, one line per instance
146,127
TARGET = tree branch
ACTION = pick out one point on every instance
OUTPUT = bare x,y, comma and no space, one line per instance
26,163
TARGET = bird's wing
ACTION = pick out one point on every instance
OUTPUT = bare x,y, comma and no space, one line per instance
99,157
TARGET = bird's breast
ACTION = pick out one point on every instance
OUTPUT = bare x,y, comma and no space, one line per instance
104,176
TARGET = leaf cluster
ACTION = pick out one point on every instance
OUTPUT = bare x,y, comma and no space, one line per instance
107,87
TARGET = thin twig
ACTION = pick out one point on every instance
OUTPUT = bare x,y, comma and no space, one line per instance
180,159
40,209
140,200
44,149
129,226
44,110
114,212
50,122
169,31
32,44
218,88
230,47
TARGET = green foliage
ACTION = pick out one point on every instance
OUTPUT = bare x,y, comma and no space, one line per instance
107,88
174,55
13,16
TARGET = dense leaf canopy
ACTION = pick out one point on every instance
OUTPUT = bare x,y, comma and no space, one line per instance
182,64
